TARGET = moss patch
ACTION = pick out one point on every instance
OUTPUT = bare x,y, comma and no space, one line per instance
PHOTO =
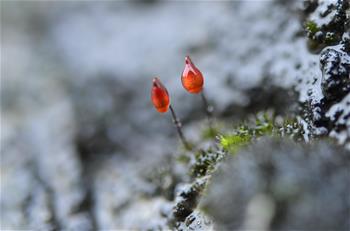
261,125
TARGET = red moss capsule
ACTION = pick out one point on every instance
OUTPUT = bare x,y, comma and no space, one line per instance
160,96
192,79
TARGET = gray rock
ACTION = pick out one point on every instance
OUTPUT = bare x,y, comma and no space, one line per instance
281,185
324,93
80,139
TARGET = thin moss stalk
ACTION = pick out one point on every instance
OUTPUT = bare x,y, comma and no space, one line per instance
178,126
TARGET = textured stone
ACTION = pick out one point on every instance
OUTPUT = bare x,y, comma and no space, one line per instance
279,185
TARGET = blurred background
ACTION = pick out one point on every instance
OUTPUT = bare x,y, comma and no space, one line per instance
78,131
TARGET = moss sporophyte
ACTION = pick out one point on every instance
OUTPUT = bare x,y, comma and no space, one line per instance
160,96
192,80
203,163
161,101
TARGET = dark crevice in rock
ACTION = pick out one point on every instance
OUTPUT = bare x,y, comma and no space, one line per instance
119,209
309,6
87,204
280,214
54,221
164,178
262,98
100,103
187,202
25,206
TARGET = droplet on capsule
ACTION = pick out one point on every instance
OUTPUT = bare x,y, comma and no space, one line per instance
192,78
160,96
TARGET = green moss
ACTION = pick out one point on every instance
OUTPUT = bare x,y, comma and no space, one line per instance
330,38
183,158
262,125
311,27
205,162
210,133
232,143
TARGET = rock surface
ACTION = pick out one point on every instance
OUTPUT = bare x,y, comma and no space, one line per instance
81,146
281,185
324,91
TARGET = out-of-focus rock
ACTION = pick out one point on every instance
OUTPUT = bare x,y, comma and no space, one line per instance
196,221
41,172
81,146
279,185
